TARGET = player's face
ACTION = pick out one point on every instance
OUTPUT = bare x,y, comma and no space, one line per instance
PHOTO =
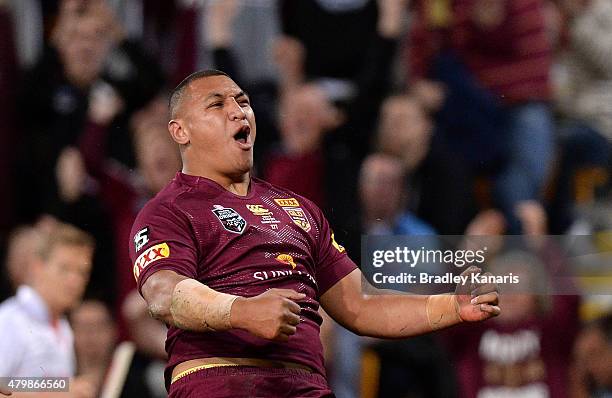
219,121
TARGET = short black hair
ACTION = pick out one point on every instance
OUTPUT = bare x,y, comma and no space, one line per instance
177,94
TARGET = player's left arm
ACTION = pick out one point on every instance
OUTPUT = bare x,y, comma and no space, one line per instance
383,314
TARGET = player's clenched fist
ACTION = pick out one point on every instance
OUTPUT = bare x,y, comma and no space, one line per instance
477,301
273,315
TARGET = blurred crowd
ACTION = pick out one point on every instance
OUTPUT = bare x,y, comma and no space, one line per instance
407,117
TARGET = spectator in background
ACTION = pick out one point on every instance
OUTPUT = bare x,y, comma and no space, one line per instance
121,191
592,366
56,90
404,368
406,130
356,76
86,46
383,176
525,352
23,244
304,162
492,58
582,82
95,338
77,204
298,163
35,337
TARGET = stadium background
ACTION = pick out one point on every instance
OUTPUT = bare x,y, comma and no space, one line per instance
418,117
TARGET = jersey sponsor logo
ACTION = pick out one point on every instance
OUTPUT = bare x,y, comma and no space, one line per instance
297,215
286,259
335,244
267,217
230,219
284,274
289,202
141,238
152,254
259,210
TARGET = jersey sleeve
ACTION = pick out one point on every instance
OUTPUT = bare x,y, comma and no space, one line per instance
333,263
162,238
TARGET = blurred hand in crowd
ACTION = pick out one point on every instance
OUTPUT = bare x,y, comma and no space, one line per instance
488,14
71,174
289,54
104,104
391,15
219,16
486,229
486,223
533,217
429,93
305,115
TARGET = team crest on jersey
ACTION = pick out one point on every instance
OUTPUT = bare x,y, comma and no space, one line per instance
230,219
291,207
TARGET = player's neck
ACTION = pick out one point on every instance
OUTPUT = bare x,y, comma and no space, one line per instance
236,184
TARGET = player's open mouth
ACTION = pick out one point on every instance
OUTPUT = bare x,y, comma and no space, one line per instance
242,137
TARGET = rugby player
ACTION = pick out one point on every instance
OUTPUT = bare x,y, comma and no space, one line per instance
237,267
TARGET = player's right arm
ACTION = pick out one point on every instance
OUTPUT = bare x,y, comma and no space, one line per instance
190,305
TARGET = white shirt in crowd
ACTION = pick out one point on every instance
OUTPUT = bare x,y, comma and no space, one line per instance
31,344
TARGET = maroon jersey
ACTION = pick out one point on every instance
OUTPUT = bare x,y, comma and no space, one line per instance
241,245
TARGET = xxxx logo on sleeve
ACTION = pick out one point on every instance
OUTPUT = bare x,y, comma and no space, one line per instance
149,256
295,212
230,219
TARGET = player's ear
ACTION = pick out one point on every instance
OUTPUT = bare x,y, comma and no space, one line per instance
177,132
